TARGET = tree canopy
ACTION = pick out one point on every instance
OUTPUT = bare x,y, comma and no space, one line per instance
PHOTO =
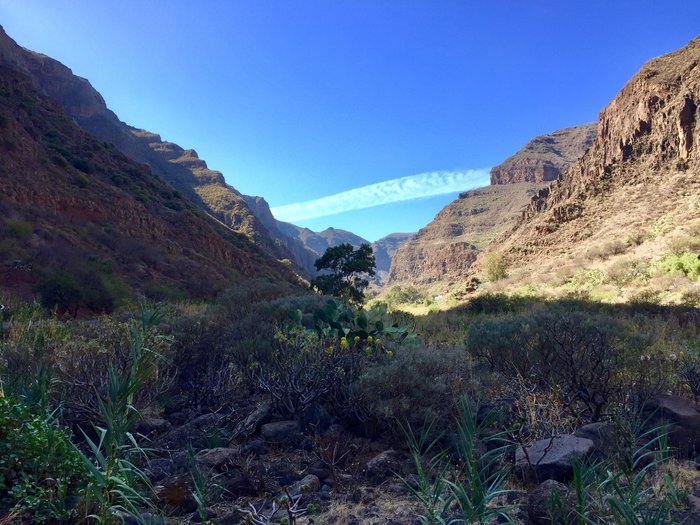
346,271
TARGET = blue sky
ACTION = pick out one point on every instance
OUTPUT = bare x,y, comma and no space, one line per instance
296,101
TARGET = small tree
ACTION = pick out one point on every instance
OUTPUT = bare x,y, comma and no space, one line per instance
349,271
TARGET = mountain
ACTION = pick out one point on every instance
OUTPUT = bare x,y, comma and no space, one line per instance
181,167
384,250
442,252
319,242
640,177
87,226
546,157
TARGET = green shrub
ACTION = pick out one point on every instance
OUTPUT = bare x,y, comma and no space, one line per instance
403,295
686,263
495,266
585,280
39,467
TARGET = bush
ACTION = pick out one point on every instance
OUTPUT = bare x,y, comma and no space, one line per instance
39,467
417,386
403,295
686,263
579,352
495,266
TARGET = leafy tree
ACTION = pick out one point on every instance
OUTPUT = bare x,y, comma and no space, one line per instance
349,271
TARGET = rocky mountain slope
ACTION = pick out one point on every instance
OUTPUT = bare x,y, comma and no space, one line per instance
640,176
546,157
442,253
180,167
79,217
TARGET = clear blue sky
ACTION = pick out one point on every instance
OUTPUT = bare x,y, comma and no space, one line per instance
297,100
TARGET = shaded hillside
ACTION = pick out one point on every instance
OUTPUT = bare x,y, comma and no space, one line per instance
640,179
384,250
443,251
79,216
180,167
546,157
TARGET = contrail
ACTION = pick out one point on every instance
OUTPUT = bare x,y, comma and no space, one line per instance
388,191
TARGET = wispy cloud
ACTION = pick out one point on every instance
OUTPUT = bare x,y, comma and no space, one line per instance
388,191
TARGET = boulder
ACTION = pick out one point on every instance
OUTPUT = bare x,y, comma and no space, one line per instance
216,458
551,503
195,433
159,468
152,426
281,432
382,466
306,485
683,418
551,458
601,434
258,417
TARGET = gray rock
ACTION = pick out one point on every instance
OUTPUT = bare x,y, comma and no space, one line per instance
216,458
159,468
551,503
258,417
382,466
551,458
152,426
195,433
306,485
601,434
281,432
683,418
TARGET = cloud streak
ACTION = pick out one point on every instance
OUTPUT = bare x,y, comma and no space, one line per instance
394,190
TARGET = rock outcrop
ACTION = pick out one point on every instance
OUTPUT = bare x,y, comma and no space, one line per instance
643,167
546,157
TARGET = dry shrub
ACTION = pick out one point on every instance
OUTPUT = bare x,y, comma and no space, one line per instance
607,249
418,385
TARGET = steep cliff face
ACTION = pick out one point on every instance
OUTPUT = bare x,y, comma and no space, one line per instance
442,252
546,157
180,167
74,206
643,167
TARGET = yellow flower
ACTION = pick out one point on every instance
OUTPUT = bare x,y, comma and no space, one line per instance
357,339
378,343
390,354
343,342
368,351
329,350
369,339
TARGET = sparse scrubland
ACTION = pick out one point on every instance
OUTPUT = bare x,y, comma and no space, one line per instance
274,401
